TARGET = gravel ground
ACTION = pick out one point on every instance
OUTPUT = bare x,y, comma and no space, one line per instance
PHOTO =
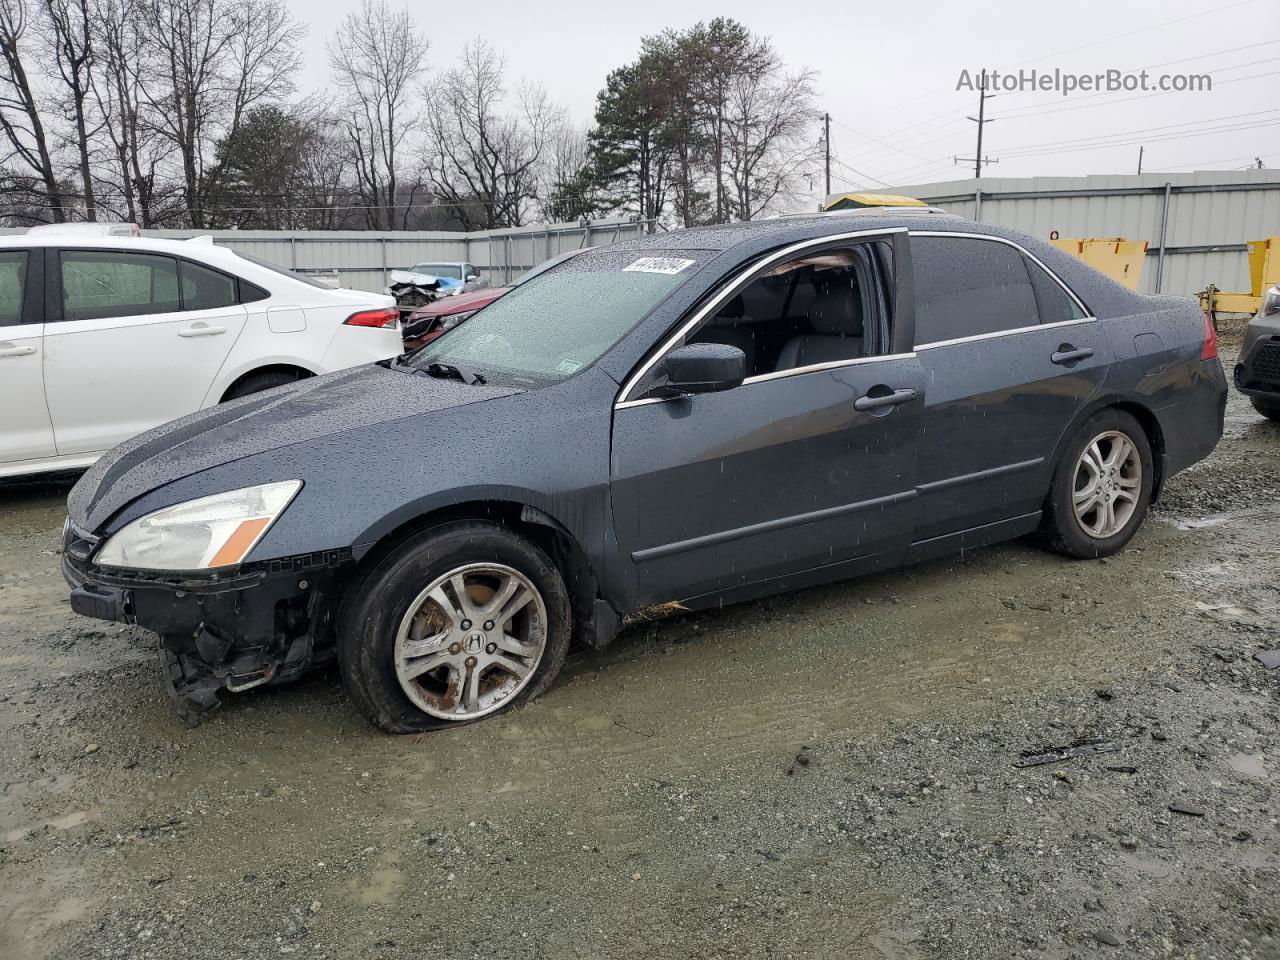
825,774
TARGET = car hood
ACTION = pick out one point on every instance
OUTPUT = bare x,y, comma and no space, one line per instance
470,300
349,400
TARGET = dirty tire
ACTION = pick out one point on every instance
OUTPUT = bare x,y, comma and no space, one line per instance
1268,408
257,382
378,600
1062,530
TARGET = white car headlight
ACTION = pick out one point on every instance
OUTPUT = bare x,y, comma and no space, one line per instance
216,531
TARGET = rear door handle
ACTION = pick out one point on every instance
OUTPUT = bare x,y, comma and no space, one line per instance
17,351
871,402
1066,354
201,330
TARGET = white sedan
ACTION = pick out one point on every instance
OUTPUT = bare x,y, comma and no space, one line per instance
105,336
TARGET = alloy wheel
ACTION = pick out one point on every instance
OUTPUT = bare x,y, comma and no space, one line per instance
1108,485
470,641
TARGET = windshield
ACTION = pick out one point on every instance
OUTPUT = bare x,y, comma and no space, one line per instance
550,327
451,270
546,265
301,278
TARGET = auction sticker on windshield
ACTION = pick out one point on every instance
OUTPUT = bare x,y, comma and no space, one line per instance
668,265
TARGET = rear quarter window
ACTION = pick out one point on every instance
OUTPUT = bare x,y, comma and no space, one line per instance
967,287
1053,303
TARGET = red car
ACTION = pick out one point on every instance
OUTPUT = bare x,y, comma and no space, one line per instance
428,322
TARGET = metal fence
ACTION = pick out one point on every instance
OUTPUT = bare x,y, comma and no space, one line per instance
362,259
1196,225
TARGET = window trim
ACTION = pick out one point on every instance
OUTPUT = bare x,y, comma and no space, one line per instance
1088,314
53,282
731,288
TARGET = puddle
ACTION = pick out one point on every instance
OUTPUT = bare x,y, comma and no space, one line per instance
1249,764
77,818
381,887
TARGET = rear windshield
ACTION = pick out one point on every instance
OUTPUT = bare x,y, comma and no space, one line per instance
281,270
555,324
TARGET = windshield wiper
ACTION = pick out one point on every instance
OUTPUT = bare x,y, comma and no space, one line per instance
451,371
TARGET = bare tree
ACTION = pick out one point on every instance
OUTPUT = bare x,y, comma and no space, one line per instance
212,62
25,137
564,192
481,161
767,144
117,82
72,40
377,58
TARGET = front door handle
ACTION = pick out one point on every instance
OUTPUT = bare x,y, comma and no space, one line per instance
17,351
875,401
1067,354
201,330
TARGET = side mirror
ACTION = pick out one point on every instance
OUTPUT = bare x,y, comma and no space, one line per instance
472,276
705,367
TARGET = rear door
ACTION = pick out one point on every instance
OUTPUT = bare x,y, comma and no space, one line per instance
135,340
809,463
25,430
1011,356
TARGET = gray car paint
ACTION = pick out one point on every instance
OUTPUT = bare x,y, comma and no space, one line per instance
1261,330
638,487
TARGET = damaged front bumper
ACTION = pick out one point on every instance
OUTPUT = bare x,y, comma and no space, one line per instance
260,623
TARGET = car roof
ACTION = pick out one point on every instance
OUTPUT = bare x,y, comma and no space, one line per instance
199,248
781,230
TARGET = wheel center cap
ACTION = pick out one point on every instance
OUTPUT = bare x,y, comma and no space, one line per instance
474,642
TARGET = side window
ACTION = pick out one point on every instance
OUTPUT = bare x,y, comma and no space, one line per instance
103,283
13,278
205,289
824,307
1052,301
966,287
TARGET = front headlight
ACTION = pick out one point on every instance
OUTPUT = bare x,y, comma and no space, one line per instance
453,319
1270,303
216,531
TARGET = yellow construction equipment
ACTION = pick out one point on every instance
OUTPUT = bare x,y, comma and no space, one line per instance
1118,258
1264,273
852,201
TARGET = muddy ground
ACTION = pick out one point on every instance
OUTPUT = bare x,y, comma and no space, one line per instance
825,774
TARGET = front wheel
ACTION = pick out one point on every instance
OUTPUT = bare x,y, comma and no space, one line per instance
458,622
1101,488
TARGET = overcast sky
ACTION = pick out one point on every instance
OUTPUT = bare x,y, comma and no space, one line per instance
888,74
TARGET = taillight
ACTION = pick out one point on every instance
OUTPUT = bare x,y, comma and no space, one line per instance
1209,349
374,318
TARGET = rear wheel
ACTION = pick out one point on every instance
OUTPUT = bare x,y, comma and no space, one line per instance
461,621
1268,408
1101,488
257,382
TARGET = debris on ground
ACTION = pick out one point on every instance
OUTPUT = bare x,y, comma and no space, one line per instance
1268,658
1035,758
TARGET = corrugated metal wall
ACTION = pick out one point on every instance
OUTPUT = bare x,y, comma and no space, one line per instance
1211,216
362,258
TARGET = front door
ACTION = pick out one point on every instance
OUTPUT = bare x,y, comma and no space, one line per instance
808,463
139,340
25,431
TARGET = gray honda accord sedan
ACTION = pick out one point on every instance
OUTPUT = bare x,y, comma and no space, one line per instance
698,417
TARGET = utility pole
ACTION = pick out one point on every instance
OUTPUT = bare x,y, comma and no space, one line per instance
826,144
1140,149
978,160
